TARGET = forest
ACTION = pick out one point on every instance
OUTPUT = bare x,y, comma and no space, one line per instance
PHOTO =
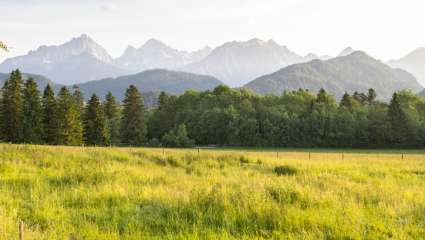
220,117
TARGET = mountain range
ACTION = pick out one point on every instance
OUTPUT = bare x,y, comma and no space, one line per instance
236,63
155,67
82,59
354,72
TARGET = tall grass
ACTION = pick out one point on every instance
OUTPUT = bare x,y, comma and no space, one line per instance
138,193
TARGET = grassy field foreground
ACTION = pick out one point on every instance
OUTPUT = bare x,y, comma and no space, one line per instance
123,193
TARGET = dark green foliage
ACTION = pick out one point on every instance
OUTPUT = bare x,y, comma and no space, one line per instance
223,116
70,128
50,121
112,114
285,170
32,118
398,122
95,128
177,138
11,107
296,119
133,123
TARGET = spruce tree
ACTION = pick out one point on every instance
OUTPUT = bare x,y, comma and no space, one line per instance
12,108
95,131
398,122
112,113
347,102
32,113
70,130
133,126
50,123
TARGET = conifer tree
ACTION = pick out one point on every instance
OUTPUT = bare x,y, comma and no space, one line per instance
70,130
32,113
95,131
50,123
398,122
133,125
347,102
112,113
12,108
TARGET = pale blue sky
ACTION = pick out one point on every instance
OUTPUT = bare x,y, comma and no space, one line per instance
384,28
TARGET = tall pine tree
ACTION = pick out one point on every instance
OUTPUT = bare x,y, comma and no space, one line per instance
32,113
95,131
133,125
50,123
112,113
12,108
398,122
70,129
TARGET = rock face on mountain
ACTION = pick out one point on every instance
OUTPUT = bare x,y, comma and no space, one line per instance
78,60
355,72
150,81
236,63
414,63
155,54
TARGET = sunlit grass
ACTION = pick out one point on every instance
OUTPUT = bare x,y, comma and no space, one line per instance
139,193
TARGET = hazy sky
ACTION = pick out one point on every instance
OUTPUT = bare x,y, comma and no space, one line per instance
384,28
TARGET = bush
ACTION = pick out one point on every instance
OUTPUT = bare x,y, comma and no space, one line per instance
243,160
154,142
285,170
177,138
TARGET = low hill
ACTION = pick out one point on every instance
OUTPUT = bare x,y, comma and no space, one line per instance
354,72
41,81
150,81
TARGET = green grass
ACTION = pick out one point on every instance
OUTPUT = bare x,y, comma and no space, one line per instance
124,193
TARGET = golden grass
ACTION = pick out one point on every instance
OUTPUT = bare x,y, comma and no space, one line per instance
141,193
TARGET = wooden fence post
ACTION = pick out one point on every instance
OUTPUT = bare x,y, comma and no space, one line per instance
21,230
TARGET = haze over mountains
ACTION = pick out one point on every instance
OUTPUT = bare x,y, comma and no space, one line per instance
354,72
413,62
236,63
262,66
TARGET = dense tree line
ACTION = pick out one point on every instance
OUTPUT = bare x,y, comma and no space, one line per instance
223,116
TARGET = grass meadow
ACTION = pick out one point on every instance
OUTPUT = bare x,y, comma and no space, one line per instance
140,193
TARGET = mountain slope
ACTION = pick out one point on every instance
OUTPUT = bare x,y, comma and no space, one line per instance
414,63
235,63
355,72
78,60
150,81
155,54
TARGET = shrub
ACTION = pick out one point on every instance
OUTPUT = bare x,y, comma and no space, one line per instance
243,160
285,170
177,138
